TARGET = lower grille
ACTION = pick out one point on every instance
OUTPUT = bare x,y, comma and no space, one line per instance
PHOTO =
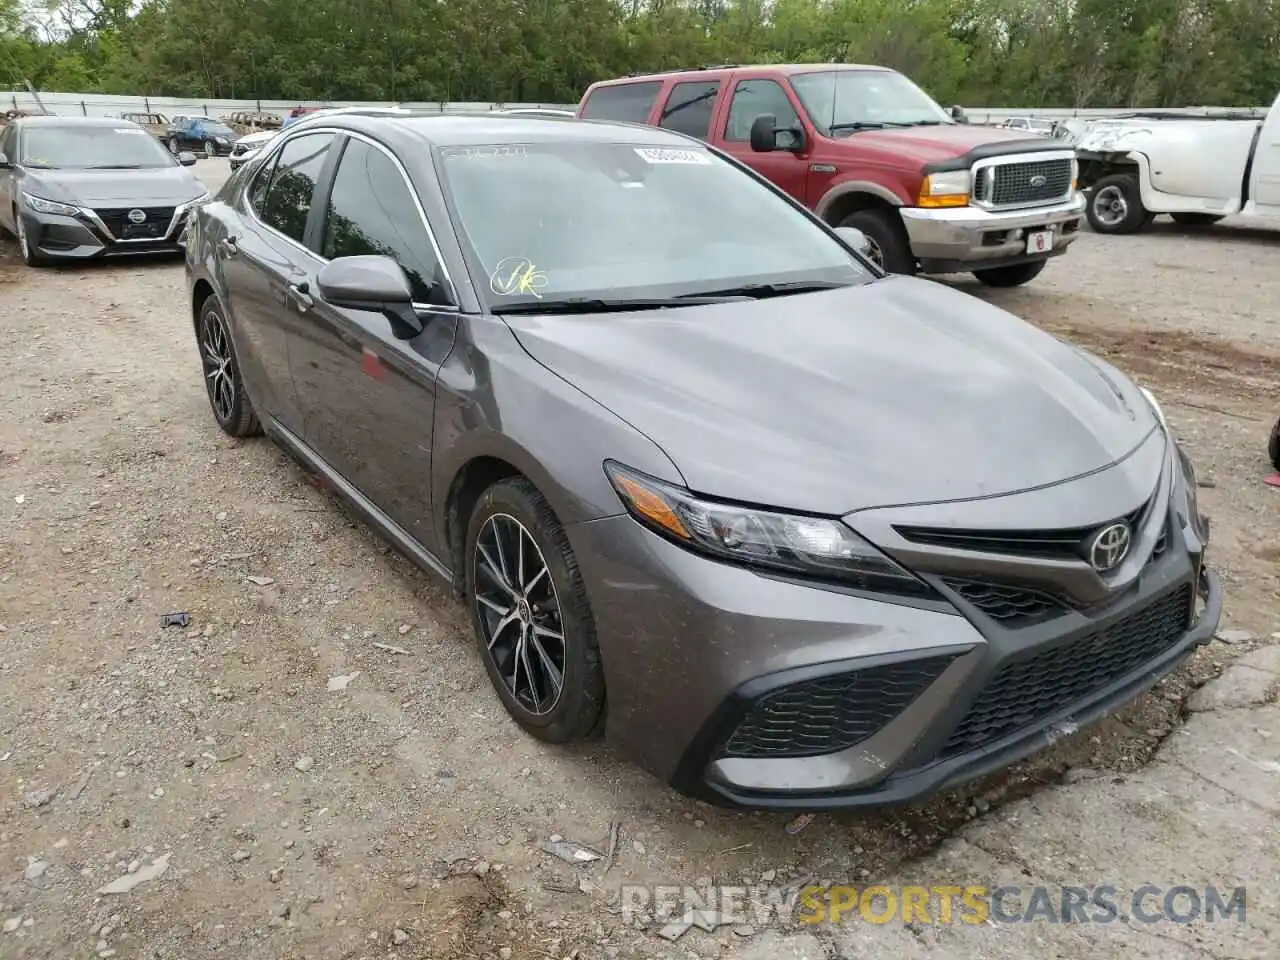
1026,691
820,716
154,227
1008,605
1037,181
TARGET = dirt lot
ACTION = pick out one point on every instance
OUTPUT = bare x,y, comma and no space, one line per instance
401,815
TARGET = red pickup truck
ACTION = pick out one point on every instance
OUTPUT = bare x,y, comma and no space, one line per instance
865,147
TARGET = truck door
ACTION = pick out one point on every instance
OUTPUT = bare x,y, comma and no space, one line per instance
1264,183
749,98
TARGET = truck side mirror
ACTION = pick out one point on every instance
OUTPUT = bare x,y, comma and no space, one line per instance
765,135
958,114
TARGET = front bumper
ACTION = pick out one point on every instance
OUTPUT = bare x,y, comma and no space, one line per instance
962,239
86,237
702,658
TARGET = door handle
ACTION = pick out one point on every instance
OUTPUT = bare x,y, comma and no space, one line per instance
228,247
299,295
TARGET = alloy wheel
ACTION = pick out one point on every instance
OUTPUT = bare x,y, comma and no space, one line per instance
519,613
215,354
209,149
1110,206
24,245
173,145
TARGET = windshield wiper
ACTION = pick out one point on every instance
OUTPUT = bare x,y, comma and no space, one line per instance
867,125
757,291
607,305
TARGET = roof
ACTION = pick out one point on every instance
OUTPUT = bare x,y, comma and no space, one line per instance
784,68
460,129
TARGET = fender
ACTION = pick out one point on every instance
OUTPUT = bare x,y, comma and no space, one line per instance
846,187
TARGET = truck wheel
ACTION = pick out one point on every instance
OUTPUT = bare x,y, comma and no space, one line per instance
1014,275
1195,219
1115,205
890,247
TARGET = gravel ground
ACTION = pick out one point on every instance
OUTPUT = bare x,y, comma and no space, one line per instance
400,814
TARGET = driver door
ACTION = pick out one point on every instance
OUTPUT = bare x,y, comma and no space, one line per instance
8,176
368,398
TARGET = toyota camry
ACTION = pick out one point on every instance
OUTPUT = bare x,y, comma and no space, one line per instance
793,532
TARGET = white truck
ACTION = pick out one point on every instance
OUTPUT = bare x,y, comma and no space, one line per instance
1198,169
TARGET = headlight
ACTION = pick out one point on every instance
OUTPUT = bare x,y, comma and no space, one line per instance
1155,408
947,189
813,547
41,205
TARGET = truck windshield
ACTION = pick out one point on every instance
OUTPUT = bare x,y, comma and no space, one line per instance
841,102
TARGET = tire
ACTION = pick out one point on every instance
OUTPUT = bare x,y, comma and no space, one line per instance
210,150
1115,205
175,147
30,257
1273,446
1195,219
890,246
514,510
228,400
1014,275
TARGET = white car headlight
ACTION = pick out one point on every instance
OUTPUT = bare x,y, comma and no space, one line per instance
41,205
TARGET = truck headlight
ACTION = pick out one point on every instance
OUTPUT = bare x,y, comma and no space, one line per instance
949,188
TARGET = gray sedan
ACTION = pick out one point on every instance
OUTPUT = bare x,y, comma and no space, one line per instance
794,532
78,188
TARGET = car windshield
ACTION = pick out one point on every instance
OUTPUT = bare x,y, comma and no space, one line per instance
93,147
586,220
841,102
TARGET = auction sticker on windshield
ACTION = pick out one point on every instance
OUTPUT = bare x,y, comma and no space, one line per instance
661,155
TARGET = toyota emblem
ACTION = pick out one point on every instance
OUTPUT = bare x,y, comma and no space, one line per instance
137,216
1110,546
1039,180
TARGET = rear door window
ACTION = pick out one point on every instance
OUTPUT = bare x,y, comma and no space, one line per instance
626,102
293,183
688,109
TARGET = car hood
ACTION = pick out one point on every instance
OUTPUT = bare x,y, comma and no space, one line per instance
258,139
162,186
943,142
897,392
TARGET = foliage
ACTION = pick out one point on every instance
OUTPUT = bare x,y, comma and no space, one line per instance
1072,53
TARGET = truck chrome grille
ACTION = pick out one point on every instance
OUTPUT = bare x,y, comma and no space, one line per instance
1024,183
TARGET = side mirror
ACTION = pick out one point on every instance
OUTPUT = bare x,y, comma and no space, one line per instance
372,283
856,239
764,135
187,159
958,114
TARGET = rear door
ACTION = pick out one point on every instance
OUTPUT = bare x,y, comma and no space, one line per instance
267,262
750,97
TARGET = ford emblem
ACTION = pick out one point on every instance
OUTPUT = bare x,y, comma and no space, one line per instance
137,216
1039,180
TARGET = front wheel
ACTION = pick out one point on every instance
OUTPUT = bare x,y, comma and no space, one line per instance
1014,275
1115,205
30,256
890,247
174,146
1195,219
223,382
210,151
531,616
